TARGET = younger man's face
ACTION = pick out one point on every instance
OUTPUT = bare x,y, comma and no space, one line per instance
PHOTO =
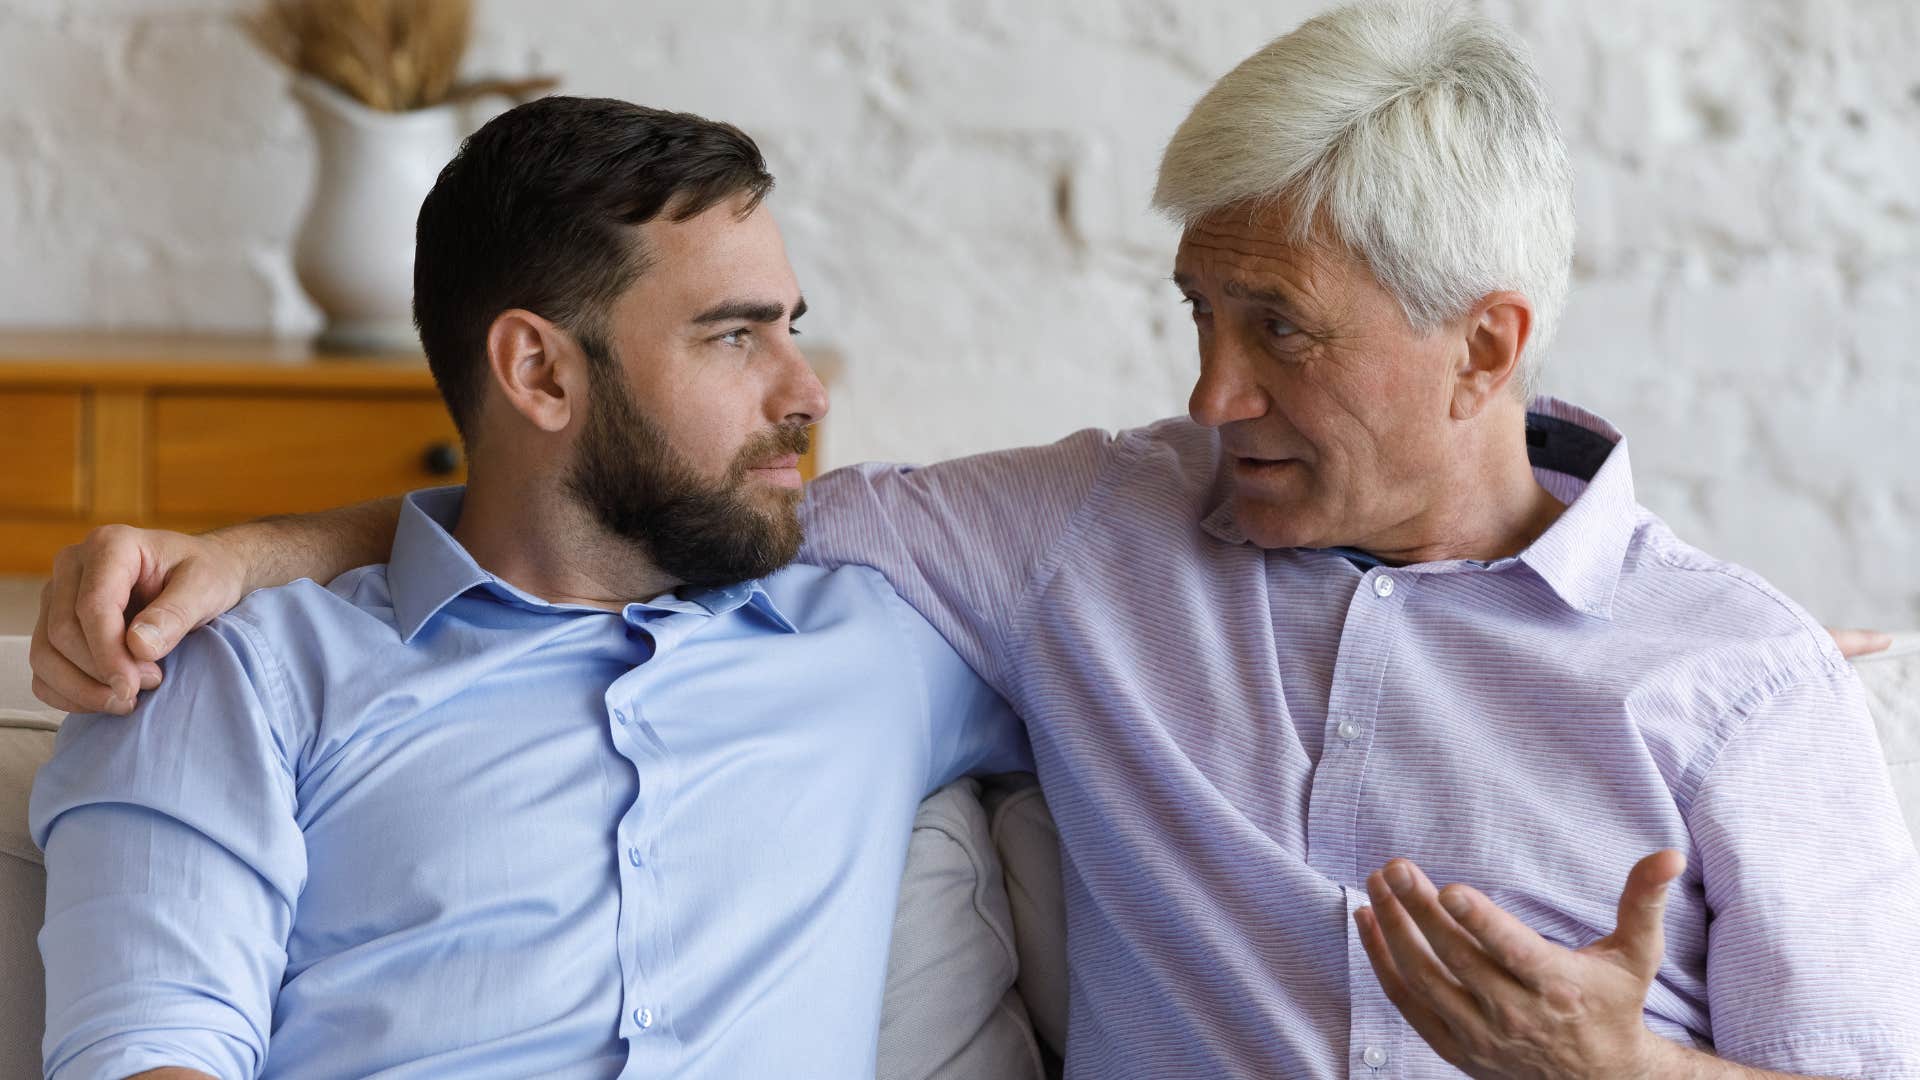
698,416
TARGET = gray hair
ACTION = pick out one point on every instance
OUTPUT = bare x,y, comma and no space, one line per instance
1419,133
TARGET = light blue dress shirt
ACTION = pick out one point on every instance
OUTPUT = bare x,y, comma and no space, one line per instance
421,823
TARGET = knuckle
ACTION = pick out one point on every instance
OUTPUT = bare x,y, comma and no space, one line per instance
65,638
1563,997
1511,1018
106,536
1425,979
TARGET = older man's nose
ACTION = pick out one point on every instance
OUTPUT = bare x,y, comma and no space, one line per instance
1223,394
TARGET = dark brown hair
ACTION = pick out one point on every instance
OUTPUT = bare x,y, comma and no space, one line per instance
538,211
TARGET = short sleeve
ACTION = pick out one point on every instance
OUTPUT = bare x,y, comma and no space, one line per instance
174,865
963,541
1813,887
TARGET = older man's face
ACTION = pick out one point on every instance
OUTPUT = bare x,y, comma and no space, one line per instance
1330,406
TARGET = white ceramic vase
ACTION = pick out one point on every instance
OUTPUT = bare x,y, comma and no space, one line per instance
354,255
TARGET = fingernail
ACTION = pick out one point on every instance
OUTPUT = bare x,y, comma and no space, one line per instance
1398,879
1455,903
149,677
124,688
148,633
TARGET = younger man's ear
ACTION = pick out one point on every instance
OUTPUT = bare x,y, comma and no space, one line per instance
537,367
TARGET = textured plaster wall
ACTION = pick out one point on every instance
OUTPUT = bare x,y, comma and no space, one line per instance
964,188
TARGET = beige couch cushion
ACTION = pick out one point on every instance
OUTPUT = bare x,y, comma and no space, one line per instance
25,742
951,1010
1029,847
1892,680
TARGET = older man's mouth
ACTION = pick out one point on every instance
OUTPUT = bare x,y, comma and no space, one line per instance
1263,466
1268,474
780,472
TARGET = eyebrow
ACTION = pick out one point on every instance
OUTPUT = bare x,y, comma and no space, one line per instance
1239,291
753,311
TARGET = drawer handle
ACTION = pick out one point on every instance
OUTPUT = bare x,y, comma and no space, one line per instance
441,459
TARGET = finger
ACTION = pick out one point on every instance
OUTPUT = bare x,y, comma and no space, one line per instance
77,691
1462,955
1639,935
109,568
191,597
54,700
57,680
1860,642
1425,977
1531,959
1423,1020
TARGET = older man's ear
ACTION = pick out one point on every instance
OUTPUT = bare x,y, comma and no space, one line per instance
1496,340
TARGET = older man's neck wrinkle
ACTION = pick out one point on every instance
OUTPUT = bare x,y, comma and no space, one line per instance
1489,506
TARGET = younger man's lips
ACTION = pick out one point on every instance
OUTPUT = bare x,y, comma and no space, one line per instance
781,471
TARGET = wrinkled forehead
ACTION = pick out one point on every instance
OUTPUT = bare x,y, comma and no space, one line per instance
1245,251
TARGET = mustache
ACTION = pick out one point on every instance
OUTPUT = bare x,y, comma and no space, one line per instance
777,441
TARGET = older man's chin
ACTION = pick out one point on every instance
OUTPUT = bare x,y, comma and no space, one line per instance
1271,523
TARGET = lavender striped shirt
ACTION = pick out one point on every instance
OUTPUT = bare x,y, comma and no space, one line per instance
1232,738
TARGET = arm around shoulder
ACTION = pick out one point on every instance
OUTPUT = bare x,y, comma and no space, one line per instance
119,601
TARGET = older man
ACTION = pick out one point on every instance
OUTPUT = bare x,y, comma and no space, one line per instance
1366,604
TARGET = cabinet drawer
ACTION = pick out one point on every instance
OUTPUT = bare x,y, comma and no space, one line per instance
45,471
235,456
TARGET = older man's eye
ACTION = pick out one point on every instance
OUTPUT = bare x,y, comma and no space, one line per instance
1198,305
1280,328
735,337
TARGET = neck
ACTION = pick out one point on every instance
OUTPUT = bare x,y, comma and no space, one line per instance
526,530
1487,504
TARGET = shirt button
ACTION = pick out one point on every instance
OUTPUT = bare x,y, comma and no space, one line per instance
1374,1056
1383,586
633,855
644,1017
1348,730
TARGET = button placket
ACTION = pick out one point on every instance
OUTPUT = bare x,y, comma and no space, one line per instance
1353,708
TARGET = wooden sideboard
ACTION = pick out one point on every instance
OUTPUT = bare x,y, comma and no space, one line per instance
196,432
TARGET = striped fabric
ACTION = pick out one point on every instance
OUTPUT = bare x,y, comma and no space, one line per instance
1232,738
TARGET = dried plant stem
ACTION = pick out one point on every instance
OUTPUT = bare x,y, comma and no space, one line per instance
390,55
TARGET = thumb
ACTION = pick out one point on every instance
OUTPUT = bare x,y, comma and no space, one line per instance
192,596
1639,937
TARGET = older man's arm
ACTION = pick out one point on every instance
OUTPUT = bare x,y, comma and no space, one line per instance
119,601
1814,888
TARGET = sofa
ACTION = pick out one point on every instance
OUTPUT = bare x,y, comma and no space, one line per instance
976,981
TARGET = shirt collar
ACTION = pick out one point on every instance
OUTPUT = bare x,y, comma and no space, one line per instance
1582,460
428,568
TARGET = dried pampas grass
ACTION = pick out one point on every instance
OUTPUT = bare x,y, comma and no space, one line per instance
390,55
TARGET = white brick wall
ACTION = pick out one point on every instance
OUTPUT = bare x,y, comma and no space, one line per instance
964,188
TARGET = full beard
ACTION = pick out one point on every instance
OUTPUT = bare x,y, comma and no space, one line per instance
697,531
